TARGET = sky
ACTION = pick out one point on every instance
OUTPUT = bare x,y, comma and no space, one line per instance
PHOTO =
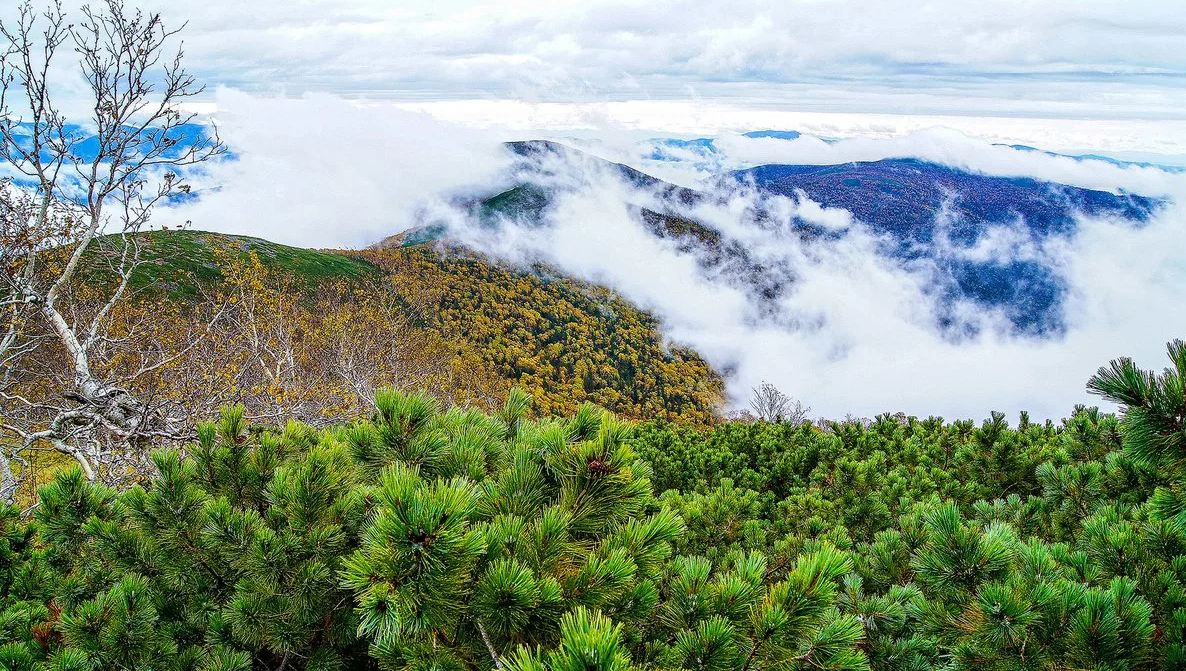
1097,59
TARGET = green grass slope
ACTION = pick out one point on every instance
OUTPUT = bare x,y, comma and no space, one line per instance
181,261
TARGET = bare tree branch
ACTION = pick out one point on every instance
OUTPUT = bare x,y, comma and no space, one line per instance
55,214
771,405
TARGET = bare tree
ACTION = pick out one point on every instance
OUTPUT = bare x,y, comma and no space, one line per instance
79,190
771,405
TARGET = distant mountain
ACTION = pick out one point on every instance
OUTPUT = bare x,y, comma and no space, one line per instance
85,146
86,142
946,218
904,197
1100,157
704,154
943,214
775,134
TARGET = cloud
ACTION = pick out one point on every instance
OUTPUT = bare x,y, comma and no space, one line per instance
1056,58
608,129
833,218
952,148
320,171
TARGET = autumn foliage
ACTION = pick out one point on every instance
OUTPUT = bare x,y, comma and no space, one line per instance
285,333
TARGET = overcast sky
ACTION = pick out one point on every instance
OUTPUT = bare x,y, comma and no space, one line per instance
1039,58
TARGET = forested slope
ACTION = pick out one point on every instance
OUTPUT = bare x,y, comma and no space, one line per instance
210,320
563,340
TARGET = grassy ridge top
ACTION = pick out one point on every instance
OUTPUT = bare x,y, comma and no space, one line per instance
180,260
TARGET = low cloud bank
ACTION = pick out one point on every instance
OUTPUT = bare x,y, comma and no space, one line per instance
952,148
320,171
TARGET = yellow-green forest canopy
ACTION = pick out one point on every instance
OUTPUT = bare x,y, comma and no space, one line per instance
563,340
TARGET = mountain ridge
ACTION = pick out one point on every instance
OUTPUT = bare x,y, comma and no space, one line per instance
922,212
564,340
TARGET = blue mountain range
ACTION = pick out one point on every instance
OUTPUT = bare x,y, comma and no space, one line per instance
706,151
941,214
86,146
926,214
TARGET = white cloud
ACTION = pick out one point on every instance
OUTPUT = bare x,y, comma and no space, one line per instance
952,148
323,172
1061,58
856,331
610,125
835,218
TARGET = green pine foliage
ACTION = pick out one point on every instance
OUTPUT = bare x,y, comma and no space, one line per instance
428,538
973,547
422,539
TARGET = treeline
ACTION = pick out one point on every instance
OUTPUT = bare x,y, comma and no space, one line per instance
429,539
